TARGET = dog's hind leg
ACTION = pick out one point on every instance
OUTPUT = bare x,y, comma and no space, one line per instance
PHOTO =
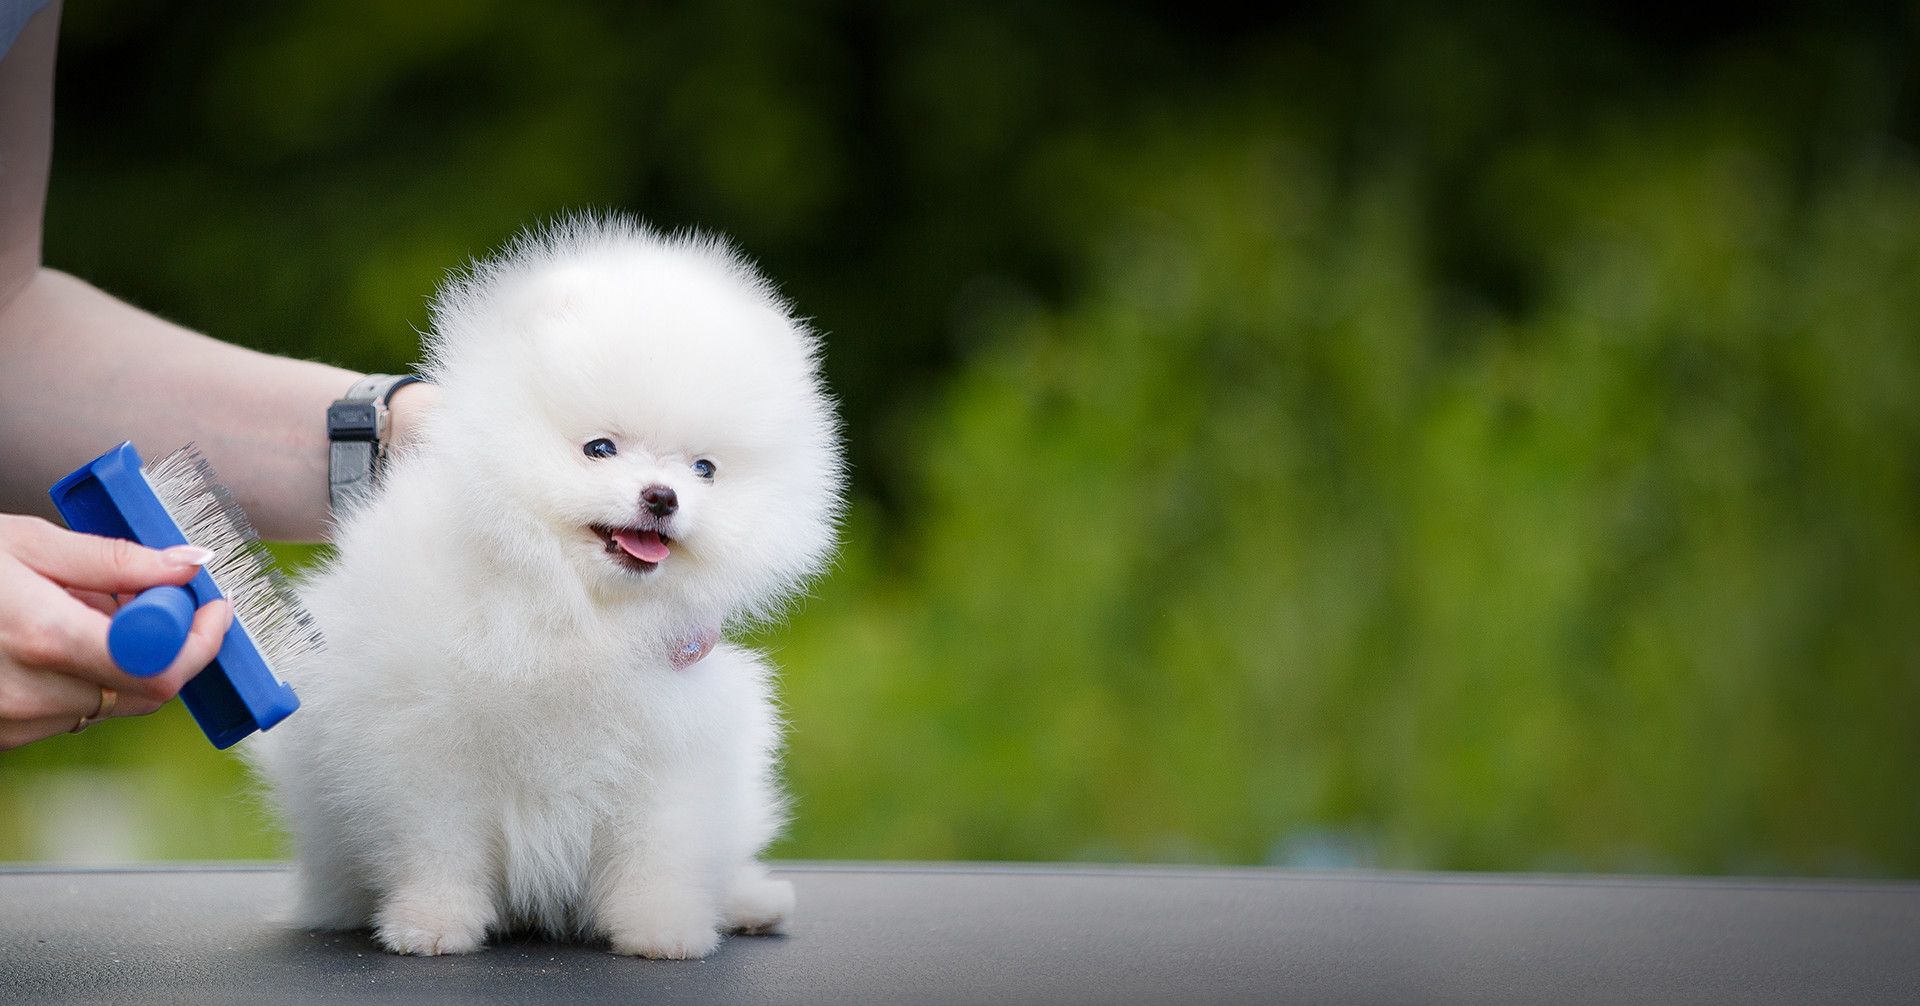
756,903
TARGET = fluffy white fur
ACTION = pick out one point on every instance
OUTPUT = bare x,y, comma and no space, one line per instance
495,737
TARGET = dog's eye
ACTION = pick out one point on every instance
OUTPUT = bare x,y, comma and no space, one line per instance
599,447
704,468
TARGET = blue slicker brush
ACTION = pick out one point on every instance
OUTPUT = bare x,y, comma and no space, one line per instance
178,502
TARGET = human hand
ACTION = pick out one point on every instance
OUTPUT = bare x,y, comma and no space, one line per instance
57,590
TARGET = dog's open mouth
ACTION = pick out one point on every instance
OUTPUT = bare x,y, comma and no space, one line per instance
639,549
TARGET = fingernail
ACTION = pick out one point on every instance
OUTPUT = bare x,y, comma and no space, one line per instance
187,556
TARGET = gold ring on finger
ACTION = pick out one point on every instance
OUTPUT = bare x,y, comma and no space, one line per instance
108,699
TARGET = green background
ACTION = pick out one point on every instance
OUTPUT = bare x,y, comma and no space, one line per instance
1336,437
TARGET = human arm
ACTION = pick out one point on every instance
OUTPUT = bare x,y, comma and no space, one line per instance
80,370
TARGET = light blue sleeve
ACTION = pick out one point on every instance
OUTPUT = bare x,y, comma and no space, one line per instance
14,15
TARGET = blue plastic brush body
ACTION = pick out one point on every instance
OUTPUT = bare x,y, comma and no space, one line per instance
236,694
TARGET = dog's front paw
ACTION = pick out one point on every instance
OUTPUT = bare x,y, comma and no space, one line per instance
759,905
667,939
410,929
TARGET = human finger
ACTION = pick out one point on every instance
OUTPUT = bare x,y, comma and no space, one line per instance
99,601
100,705
15,733
29,694
204,637
93,562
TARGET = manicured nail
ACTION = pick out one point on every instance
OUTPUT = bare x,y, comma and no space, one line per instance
187,556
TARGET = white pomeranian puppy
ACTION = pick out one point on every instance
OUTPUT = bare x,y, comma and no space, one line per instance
512,726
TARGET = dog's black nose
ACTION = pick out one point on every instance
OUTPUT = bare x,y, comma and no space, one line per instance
660,500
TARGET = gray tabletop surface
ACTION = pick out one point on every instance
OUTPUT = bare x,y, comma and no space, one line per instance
1014,934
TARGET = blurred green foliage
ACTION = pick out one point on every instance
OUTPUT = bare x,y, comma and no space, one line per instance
1337,437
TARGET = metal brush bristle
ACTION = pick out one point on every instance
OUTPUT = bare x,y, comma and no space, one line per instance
242,567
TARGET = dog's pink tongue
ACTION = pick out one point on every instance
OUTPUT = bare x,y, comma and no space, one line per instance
645,546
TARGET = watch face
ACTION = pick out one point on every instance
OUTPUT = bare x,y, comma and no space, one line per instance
353,421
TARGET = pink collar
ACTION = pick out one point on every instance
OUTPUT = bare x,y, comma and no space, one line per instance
694,648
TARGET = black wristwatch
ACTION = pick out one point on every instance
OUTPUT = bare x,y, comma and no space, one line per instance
357,429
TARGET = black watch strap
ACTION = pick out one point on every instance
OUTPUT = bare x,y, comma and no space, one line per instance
357,432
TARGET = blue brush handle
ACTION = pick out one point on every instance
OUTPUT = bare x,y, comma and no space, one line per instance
148,631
